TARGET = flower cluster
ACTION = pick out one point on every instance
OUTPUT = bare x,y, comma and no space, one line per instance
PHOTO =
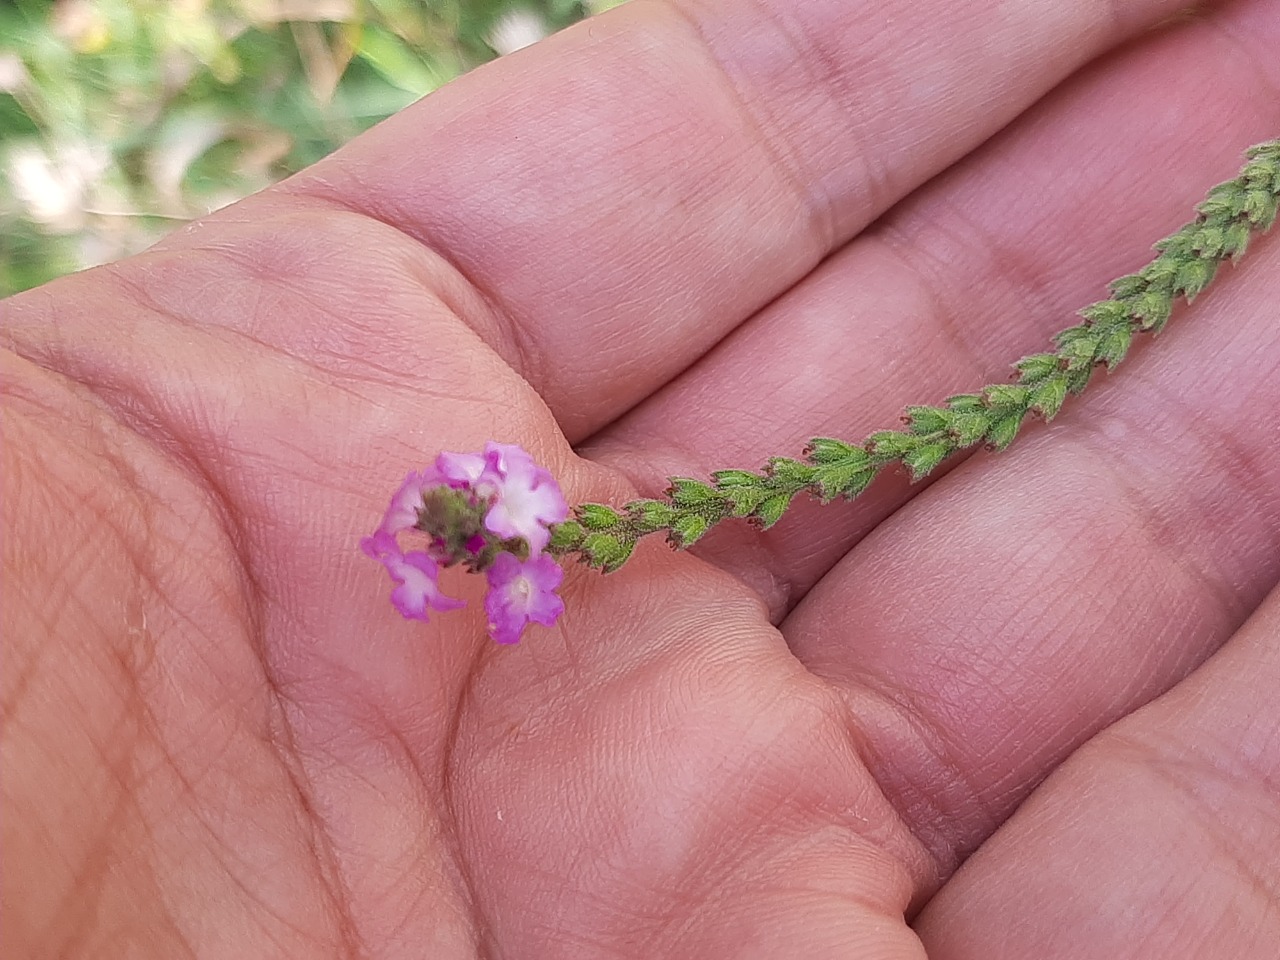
490,511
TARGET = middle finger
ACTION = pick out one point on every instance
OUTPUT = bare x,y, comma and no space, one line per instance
973,271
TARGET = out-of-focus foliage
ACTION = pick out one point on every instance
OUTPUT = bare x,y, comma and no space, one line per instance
120,119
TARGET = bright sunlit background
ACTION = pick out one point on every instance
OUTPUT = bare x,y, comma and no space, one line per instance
121,119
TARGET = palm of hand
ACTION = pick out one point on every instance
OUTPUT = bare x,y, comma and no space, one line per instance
261,758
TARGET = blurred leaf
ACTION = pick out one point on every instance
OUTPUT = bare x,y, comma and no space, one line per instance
398,64
189,105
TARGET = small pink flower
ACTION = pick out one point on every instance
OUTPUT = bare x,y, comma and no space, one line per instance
466,506
521,593
415,573
528,500
462,471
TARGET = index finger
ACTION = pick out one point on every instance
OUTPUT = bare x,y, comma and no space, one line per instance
626,193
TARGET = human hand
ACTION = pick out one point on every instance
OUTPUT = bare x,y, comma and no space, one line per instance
221,741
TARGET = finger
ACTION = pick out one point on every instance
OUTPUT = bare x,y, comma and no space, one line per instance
627,192
1024,602
973,271
1159,839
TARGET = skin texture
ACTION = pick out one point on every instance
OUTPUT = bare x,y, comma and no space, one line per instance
1026,710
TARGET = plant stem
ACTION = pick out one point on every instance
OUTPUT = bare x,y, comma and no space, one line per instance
1187,261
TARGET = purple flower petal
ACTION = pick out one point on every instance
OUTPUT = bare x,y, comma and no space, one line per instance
415,573
463,471
521,593
529,500
402,513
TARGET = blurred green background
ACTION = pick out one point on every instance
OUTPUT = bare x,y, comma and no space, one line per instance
121,119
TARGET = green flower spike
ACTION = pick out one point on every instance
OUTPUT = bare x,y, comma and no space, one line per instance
1232,213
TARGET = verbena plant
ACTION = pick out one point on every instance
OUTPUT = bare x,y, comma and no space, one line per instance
498,513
